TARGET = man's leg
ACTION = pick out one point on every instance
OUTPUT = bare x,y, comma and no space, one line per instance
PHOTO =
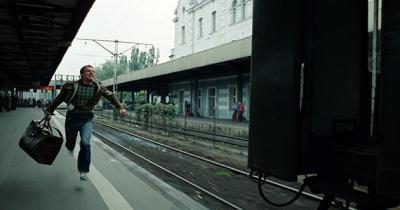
85,131
71,131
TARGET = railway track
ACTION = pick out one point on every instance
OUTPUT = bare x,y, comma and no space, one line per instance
314,199
209,136
235,200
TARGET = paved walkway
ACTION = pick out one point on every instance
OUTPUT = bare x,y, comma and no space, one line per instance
114,182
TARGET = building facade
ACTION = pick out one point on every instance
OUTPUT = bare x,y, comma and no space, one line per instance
215,97
207,24
204,24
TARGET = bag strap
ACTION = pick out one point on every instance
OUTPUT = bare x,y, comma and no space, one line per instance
48,126
45,124
58,131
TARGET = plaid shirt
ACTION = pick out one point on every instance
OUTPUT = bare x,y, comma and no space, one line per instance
83,95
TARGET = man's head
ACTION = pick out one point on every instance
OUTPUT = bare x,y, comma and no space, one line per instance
87,73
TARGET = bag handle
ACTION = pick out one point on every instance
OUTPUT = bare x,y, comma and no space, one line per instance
45,124
58,131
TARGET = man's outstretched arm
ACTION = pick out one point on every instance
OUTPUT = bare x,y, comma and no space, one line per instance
114,101
48,111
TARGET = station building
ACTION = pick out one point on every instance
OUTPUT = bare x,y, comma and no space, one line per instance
210,68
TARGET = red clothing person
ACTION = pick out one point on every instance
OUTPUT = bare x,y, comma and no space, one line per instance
235,113
241,110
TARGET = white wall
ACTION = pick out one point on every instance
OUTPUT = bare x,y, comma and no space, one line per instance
226,32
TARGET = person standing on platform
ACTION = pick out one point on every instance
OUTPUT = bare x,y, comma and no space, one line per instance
235,113
1,102
241,110
81,96
7,102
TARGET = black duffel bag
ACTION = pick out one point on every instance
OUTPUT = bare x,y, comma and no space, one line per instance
40,143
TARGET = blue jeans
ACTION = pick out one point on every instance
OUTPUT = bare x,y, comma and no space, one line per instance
84,126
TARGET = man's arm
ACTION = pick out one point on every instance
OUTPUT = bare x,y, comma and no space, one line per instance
48,111
114,101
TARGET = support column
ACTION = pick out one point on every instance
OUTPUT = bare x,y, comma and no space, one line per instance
148,100
163,92
240,87
163,98
133,100
195,105
389,169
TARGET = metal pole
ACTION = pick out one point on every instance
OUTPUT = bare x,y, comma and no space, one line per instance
115,66
215,125
185,123
374,63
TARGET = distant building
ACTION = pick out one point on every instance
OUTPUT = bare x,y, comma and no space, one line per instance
205,24
210,68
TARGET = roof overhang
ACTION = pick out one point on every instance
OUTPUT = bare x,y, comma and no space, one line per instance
34,36
232,51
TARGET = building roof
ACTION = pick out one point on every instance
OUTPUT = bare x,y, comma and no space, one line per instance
34,36
235,50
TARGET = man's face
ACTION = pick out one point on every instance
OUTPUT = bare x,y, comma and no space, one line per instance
88,74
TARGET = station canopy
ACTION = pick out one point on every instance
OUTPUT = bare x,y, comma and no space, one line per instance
34,36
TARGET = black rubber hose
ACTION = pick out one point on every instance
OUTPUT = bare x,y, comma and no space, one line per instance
260,183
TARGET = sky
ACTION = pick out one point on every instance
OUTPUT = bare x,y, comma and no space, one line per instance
140,21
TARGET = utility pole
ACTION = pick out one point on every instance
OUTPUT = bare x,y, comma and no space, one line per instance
115,53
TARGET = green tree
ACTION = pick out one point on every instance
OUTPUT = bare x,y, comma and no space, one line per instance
134,61
151,57
143,59
106,70
157,58
122,65
138,60
140,97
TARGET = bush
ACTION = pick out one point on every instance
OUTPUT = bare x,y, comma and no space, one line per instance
165,112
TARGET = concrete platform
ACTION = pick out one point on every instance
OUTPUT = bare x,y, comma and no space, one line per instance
222,126
114,182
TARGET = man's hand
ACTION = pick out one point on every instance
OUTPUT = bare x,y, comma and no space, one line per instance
46,116
123,112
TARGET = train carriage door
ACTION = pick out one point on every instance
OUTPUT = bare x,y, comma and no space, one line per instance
211,102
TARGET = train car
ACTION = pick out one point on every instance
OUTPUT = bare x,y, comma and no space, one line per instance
312,94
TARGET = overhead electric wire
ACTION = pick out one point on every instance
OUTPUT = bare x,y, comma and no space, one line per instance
124,17
91,55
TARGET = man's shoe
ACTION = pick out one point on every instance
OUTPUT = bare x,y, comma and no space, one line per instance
83,176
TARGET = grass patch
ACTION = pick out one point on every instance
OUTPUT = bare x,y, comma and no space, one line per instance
224,173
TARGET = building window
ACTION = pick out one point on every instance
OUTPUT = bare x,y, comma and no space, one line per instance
183,35
213,21
212,102
235,7
200,27
244,8
232,96
183,12
181,104
199,100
